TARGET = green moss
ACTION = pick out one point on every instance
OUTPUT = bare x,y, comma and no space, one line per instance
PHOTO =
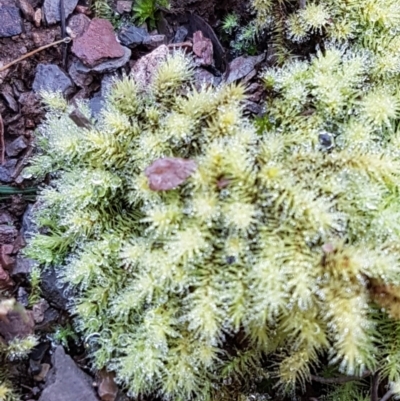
273,253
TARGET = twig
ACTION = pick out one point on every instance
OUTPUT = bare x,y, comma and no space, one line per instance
181,44
2,146
387,396
65,40
338,380
63,32
374,387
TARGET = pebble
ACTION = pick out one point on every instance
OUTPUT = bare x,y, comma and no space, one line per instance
37,18
17,146
26,9
77,25
11,21
131,35
6,171
124,6
97,44
80,79
51,9
180,35
51,78
203,48
153,41
241,67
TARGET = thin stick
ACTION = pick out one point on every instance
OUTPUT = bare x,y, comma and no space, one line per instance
338,380
387,396
374,387
5,67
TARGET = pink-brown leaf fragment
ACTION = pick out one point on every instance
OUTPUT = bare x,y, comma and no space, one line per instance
169,172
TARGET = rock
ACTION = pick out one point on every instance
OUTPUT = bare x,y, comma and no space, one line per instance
37,18
180,35
27,9
8,233
144,69
107,389
6,260
43,37
38,310
11,21
17,324
203,78
132,36
22,267
8,94
45,367
6,171
106,66
23,296
6,218
55,292
28,225
83,9
5,281
51,78
203,48
241,67
153,41
80,79
124,6
77,25
66,382
97,44
96,104
17,146
51,9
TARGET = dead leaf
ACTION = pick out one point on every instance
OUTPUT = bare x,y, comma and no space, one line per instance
169,172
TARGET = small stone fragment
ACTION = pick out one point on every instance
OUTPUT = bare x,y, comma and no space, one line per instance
124,6
203,78
22,267
51,78
80,79
106,66
11,21
153,41
51,9
6,171
180,35
66,382
16,324
132,36
6,260
5,280
38,310
107,390
97,44
37,18
203,48
77,25
53,291
169,172
17,146
241,67
83,9
45,367
27,9
8,233
144,69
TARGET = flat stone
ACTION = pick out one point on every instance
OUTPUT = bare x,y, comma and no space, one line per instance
17,146
37,18
132,36
66,382
106,66
241,67
124,6
6,260
153,41
22,267
97,44
8,233
96,104
203,78
80,79
51,78
77,25
51,9
19,324
11,21
180,34
203,48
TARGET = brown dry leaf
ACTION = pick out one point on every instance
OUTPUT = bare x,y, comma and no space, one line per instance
169,172
2,145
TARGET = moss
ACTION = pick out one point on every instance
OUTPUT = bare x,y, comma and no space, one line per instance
274,252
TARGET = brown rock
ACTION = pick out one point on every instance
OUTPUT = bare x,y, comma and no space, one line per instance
144,69
6,260
5,280
203,48
107,389
82,10
97,44
169,172
43,37
77,25
38,310
43,372
27,9
8,233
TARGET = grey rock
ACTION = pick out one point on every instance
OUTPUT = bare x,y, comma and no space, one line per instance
180,35
106,84
6,171
77,25
52,9
96,104
203,78
51,78
17,146
11,21
132,36
8,233
23,297
80,79
53,290
106,66
28,225
153,41
66,382
22,267
241,67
